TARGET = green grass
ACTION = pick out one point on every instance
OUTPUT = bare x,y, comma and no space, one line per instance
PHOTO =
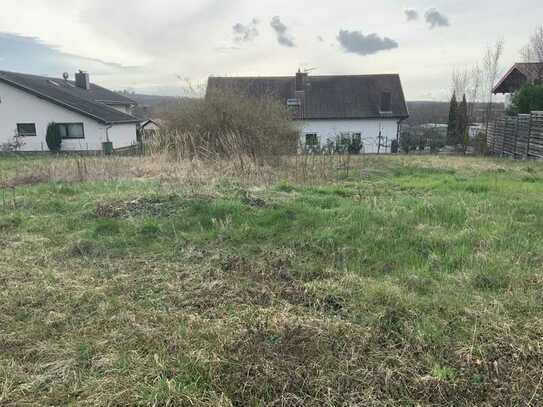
414,281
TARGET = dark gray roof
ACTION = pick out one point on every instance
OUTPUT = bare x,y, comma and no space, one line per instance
520,74
91,103
326,97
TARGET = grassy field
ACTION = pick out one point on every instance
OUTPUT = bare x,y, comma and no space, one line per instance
406,281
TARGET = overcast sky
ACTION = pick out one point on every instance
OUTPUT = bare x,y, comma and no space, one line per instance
158,46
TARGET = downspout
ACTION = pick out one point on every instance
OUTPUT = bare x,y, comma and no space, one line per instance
107,146
107,132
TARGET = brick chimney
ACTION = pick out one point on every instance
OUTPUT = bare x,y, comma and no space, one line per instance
82,80
301,85
301,78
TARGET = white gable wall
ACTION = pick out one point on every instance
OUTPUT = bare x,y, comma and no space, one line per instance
123,135
151,126
17,106
369,129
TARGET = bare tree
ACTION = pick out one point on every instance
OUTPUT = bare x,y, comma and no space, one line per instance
490,72
468,82
460,82
474,92
533,51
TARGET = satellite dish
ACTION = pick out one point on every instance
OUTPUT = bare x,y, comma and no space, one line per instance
66,76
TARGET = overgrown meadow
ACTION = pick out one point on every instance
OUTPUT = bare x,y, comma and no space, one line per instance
396,281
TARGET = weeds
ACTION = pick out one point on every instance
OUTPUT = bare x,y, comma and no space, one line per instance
411,282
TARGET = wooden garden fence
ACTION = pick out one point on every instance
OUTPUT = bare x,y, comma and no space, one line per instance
519,137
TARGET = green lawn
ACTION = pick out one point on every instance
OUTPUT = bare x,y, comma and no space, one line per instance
412,281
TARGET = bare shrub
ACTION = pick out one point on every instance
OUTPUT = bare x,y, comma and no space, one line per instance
228,125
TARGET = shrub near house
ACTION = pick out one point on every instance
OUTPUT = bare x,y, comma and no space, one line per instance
528,99
53,138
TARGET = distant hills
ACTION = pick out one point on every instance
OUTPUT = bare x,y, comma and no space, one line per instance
149,106
420,112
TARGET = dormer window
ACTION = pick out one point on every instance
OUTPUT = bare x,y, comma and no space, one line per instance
386,102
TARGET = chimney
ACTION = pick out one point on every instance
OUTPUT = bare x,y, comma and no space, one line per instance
300,81
82,80
301,85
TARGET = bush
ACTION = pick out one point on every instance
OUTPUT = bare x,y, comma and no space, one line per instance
407,142
53,138
227,124
395,147
527,100
479,143
436,139
355,146
12,145
421,142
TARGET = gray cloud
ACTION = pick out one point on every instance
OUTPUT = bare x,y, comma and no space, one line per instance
411,14
357,43
435,19
283,37
246,32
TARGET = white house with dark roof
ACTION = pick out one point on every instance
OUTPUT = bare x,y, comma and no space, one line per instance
333,109
87,115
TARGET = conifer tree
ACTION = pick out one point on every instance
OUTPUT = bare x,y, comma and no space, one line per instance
451,129
461,133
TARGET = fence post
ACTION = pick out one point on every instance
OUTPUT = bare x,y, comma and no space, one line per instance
494,137
504,136
516,139
529,138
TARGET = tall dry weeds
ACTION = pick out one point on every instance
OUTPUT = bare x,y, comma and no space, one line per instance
227,125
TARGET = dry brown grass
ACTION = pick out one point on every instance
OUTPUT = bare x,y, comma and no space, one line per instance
168,169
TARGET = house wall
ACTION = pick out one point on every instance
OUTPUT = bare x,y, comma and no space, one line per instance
369,128
17,106
123,135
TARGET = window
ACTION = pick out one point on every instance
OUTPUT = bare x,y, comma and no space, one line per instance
386,102
26,129
71,130
311,140
293,102
344,140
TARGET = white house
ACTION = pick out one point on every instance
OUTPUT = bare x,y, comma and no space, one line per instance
87,115
333,109
150,127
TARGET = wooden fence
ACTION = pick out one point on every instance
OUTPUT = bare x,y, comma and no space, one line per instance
519,137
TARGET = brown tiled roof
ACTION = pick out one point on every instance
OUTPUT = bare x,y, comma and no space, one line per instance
326,97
